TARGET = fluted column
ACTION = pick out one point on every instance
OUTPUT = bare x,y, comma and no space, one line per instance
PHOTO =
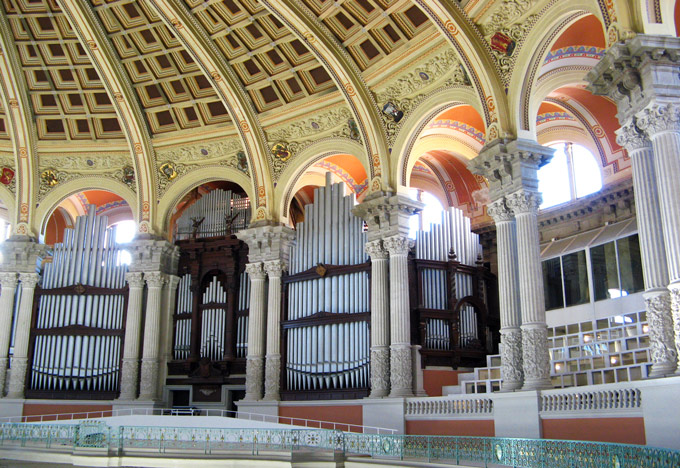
9,286
652,250
512,374
380,319
401,373
133,322
23,329
661,123
272,378
535,358
256,332
150,353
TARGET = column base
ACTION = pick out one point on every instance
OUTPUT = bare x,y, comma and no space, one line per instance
148,382
17,378
535,357
272,379
401,373
380,372
254,376
512,375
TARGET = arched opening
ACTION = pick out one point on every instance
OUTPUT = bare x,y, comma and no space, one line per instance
209,210
106,203
344,168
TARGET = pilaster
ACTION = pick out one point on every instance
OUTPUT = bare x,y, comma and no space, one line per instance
256,332
133,323
401,372
652,249
150,352
642,76
512,374
380,319
535,358
9,282
23,328
272,379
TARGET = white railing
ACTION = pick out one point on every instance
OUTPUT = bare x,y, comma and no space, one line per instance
579,399
467,405
191,411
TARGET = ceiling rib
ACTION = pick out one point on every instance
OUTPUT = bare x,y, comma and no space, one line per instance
121,93
197,42
21,128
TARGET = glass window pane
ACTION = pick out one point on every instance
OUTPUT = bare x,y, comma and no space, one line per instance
553,180
587,171
552,283
575,273
605,275
630,265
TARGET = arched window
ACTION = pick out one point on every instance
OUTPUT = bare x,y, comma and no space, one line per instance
572,173
431,213
125,232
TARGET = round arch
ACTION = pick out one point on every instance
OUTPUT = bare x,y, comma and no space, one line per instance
433,105
311,155
197,177
525,74
60,193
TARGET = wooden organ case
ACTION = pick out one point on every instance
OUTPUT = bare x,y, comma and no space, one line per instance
210,323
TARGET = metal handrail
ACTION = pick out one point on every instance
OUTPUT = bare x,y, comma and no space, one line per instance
291,420
206,442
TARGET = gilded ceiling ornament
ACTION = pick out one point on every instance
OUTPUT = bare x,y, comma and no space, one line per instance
168,170
49,177
503,43
242,162
281,151
128,175
6,176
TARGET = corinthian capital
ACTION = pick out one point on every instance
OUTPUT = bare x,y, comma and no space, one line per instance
659,118
8,280
154,279
398,245
523,201
135,280
275,268
255,270
499,211
376,250
632,138
29,280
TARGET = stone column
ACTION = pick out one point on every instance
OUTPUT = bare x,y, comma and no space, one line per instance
401,376
380,319
508,296
150,353
535,358
272,377
661,122
9,287
23,329
652,250
256,332
133,322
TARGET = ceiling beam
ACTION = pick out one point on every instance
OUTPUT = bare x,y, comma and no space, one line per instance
97,45
230,90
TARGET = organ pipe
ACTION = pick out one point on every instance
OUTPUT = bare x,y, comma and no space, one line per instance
452,234
336,355
68,359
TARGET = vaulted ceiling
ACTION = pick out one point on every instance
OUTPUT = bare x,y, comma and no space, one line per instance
150,98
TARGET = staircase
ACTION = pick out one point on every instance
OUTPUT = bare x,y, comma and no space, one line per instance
608,350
